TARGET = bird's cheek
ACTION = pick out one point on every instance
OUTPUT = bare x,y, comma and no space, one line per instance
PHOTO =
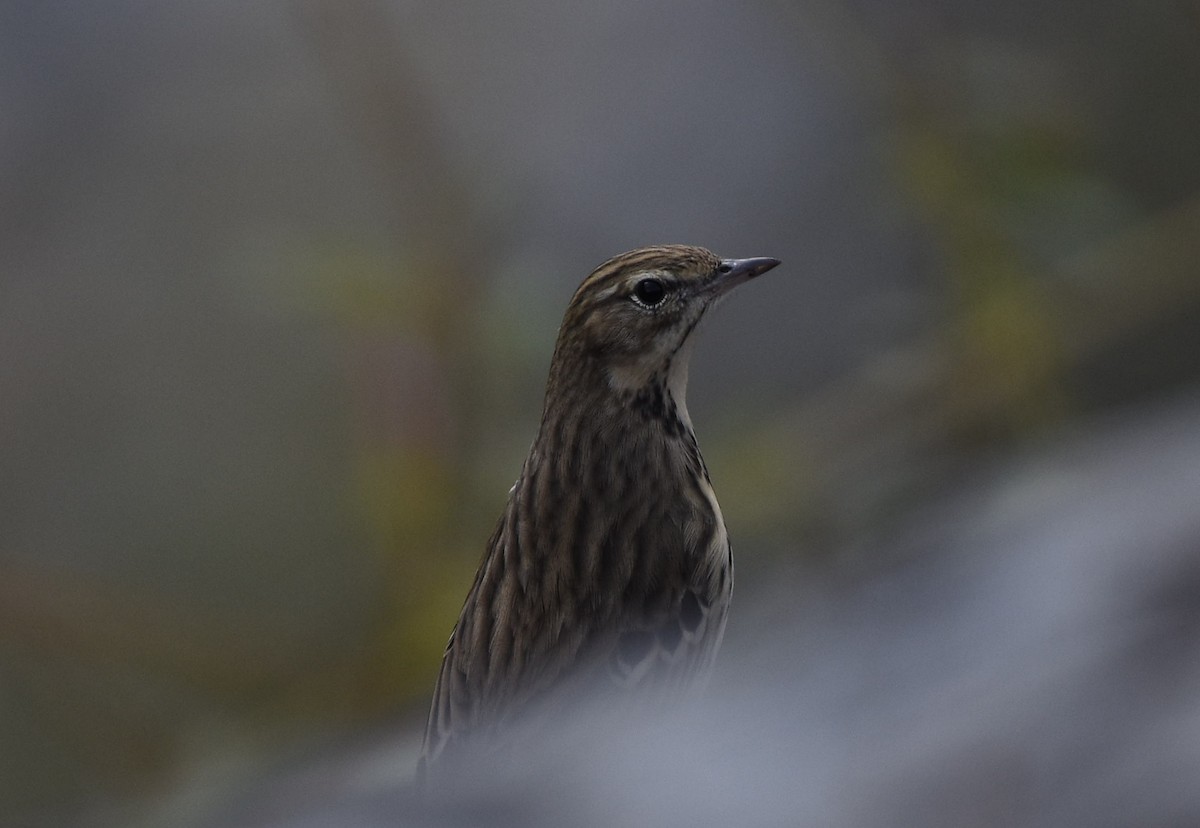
611,338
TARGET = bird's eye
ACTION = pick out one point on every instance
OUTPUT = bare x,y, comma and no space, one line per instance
649,292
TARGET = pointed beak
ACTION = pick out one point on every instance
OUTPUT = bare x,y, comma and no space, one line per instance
732,272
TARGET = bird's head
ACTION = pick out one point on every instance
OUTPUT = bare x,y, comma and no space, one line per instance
634,315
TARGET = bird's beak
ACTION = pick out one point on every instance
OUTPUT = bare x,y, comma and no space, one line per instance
732,272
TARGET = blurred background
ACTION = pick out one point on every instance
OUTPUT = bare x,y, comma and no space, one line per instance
279,284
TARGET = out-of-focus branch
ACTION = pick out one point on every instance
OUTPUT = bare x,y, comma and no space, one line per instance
381,94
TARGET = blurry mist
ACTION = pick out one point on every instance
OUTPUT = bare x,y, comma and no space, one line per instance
278,288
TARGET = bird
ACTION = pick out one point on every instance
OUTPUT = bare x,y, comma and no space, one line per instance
610,571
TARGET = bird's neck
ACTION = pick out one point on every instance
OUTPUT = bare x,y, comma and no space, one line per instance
593,385
613,483
597,415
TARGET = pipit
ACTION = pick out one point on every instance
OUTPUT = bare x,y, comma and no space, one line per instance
610,570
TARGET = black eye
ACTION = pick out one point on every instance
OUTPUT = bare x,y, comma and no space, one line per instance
649,292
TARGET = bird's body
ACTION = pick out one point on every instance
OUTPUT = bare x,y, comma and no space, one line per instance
610,568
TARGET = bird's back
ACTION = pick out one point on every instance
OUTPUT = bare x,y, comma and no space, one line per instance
609,574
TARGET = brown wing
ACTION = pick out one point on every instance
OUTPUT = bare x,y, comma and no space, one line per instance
675,653
525,642
670,647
